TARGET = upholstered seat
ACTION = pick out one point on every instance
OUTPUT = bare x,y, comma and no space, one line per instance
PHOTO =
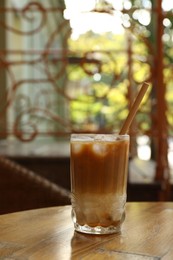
22,189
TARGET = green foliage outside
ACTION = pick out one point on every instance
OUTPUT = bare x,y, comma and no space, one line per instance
101,98
103,104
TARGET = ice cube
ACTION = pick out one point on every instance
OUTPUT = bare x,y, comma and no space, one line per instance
99,148
77,147
91,217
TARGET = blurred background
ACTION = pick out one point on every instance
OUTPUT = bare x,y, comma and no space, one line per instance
76,66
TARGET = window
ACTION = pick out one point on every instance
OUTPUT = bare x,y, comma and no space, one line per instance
77,65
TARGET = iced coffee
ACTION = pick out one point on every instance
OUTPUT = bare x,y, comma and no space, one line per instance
98,181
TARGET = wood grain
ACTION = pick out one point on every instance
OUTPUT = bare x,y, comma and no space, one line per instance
147,234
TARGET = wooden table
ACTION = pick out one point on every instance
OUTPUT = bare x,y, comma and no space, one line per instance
147,234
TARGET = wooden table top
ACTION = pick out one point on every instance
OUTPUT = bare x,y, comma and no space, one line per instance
147,234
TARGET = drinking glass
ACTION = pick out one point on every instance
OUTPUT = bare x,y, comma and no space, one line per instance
98,166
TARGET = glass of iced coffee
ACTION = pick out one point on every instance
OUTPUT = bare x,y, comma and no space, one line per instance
98,182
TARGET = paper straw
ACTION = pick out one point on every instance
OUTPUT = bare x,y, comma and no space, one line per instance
134,109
